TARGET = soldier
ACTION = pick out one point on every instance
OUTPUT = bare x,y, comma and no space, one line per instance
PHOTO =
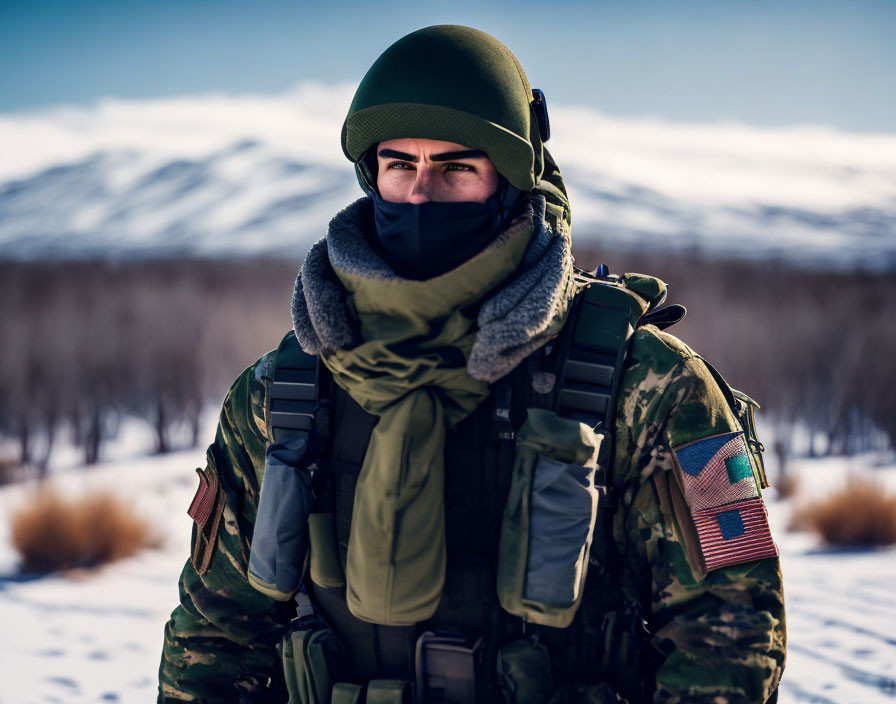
485,475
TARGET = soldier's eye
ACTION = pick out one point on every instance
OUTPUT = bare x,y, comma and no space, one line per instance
399,165
459,167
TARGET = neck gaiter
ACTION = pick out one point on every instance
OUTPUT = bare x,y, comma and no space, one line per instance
423,240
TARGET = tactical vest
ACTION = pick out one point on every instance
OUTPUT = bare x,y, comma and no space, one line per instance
577,376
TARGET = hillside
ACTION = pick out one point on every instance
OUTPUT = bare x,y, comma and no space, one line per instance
231,175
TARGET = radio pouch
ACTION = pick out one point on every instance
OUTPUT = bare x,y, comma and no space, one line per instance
280,541
549,519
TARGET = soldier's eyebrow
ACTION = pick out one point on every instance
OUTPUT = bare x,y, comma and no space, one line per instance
466,154
392,154
445,156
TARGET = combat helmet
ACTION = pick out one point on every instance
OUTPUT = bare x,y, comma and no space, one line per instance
455,84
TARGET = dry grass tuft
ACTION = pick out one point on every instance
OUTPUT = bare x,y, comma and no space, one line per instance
787,486
10,470
862,514
53,532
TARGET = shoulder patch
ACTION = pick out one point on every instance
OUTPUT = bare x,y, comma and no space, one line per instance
202,504
721,492
206,509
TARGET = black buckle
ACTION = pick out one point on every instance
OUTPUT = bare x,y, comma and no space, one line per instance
446,668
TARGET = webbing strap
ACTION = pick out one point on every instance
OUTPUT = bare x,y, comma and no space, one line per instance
606,315
293,394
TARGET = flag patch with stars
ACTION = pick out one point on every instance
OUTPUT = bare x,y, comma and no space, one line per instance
721,491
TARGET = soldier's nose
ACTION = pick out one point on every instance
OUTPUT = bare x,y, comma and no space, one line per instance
422,190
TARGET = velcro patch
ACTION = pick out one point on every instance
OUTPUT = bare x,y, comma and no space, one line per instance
735,533
204,501
725,503
206,509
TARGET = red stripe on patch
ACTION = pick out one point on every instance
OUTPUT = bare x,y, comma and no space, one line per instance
204,501
754,544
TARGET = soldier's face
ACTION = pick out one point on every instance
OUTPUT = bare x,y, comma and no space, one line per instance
421,170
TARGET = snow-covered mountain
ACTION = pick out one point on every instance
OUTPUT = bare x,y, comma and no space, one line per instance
223,175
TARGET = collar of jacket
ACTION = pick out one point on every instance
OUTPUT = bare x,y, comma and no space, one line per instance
518,311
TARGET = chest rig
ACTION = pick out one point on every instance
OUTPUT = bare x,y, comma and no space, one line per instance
577,375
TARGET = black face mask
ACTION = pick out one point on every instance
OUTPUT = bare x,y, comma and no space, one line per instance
421,241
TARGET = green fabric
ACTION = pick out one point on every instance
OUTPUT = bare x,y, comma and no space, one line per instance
324,565
543,433
388,692
410,371
346,693
455,84
309,657
524,673
716,637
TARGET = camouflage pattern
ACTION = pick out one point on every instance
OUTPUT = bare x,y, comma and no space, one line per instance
721,637
716,638
220,642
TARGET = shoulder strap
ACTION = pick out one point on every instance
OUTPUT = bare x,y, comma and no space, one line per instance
295,403
604,318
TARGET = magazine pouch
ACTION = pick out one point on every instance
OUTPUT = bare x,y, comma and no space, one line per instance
524,673
280,541
549,519
313,660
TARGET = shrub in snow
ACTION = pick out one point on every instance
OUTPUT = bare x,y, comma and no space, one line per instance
51,532
787,486
862,514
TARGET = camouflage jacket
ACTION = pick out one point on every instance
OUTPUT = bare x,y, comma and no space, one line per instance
716,637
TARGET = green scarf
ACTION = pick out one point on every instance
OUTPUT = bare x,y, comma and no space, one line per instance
410,370
419,355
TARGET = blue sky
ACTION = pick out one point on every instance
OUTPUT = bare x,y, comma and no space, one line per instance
763,63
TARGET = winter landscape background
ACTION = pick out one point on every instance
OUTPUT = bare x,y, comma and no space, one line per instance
165,166
228,175
225,176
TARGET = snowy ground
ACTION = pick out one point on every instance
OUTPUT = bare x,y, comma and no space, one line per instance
96,636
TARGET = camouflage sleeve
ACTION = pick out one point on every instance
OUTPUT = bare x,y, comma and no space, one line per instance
720,634
219,642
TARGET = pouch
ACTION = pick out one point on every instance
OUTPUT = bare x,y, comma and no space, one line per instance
377,691
325,566
280,540
447,667
347,693
313,659
549,519
524,673
389,692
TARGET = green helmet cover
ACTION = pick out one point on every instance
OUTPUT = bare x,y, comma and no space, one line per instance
454,84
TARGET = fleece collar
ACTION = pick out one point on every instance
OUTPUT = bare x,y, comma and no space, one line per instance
520,316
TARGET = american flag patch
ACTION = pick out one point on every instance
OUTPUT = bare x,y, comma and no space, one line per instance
736,533
724,499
